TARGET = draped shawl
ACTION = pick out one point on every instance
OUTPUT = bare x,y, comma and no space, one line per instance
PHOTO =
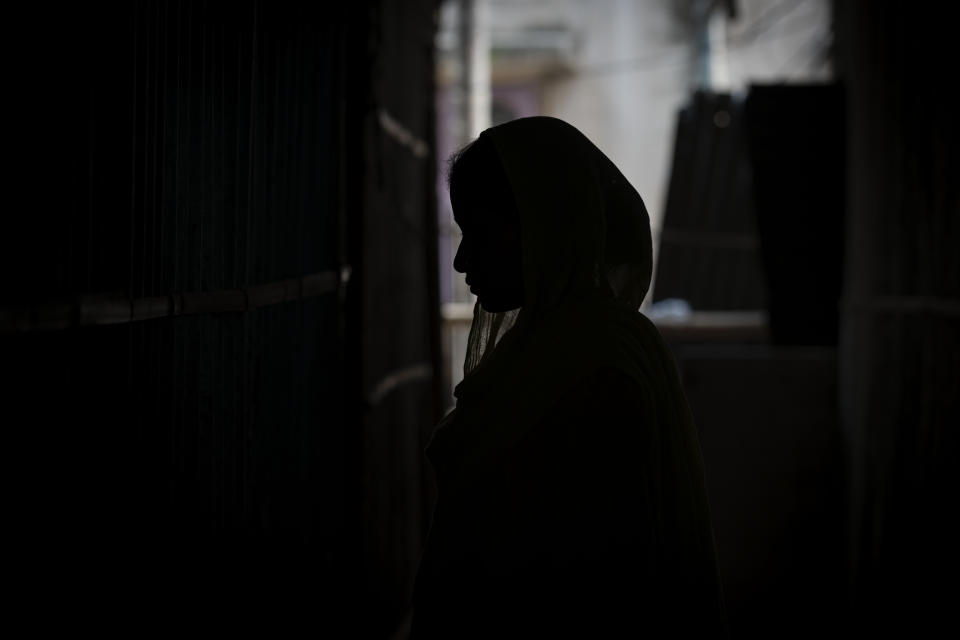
587,262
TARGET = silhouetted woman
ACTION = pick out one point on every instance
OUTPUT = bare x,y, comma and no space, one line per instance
571,497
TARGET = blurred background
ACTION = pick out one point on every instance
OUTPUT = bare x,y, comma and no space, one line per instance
230,321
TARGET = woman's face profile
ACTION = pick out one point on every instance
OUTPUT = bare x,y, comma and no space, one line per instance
489,253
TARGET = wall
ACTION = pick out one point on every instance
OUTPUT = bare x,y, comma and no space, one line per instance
187,371
900,335
399,310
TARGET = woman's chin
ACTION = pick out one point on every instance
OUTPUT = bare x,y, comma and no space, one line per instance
496,306
490,306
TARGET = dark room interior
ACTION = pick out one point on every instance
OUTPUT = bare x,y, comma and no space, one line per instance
220,326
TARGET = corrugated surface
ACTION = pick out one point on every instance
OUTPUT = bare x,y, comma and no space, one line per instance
709,251
163,147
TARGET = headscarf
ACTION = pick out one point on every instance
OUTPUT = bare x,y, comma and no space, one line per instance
587,261
584,227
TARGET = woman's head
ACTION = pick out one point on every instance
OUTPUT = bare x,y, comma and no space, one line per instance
540,183
550,227
483,206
